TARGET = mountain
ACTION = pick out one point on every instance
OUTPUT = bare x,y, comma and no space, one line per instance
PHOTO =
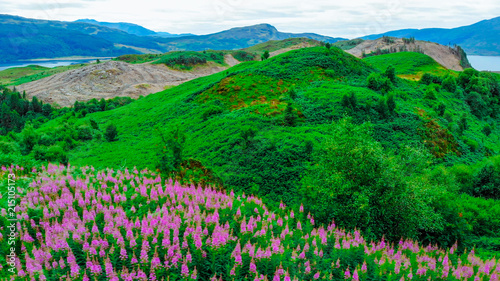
23,38
481,38
132,28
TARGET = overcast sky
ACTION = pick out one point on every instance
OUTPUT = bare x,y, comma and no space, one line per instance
348,19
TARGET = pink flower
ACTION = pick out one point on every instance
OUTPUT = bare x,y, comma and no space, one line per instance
316,276
184,270
253,267
347,273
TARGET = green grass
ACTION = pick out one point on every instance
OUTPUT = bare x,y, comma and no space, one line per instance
409,65
20,75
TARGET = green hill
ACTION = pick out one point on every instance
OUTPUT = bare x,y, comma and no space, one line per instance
408,65
389,156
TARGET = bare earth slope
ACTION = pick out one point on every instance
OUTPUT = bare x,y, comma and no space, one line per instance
444,55
112,79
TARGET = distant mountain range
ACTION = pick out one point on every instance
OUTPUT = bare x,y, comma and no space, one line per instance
23,38
481,38
133,28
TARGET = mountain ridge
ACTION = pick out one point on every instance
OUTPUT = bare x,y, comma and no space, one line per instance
133,28
24,38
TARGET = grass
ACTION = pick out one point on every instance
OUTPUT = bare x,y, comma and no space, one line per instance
409,65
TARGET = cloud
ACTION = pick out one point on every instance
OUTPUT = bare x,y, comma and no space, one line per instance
49,6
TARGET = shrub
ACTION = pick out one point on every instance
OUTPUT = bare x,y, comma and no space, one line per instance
487,182
390,73
54,153
111,133
170,155
378,82
29,138
450,84
84,133
487,130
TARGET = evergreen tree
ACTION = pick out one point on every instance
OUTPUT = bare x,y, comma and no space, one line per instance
391,104
265,56
290,116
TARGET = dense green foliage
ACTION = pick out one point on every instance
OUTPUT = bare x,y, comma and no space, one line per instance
274,128
187,60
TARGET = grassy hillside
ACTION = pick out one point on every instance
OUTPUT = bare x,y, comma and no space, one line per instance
408,65
357,144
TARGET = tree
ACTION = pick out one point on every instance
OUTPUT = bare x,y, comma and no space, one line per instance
390,73
382,108
170,156
111,133
29,138
354,181
449,84
102,104
378,82
441,109
328,46
391,104
46,109
290,116
265,56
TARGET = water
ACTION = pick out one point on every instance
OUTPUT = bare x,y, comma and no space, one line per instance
490,63
45,63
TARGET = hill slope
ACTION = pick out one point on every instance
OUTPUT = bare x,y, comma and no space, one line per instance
481,38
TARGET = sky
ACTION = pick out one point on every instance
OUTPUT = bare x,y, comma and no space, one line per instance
348,19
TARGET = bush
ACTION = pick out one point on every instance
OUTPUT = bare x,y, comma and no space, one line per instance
54,153
84,133
450,84
487,182
8,147
170,155
428,79
29,138
378,82
111,133
487,130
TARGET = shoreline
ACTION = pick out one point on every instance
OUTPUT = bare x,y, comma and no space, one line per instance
68,58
